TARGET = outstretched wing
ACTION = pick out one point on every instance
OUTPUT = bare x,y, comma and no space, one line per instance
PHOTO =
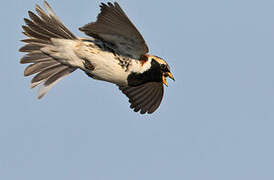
146,97
114,26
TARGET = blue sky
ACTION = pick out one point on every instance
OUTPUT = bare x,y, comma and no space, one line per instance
215,122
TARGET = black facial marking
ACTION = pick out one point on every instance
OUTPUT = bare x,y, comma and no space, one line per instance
154,74
163,67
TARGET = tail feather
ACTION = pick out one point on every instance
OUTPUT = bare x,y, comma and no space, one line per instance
40,29
31,47
35,57
52,80
56,20
53,22
57,75
38,21
35,41
38,67
32,33
45,74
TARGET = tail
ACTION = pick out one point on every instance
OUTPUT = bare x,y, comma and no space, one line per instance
40,29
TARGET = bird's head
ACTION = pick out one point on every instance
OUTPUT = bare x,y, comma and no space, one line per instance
161,66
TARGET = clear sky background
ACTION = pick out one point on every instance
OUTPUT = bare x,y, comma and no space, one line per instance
215,122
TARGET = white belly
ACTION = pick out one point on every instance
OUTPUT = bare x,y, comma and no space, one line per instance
106,64
107,68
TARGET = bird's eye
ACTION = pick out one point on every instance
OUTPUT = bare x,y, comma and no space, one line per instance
163,66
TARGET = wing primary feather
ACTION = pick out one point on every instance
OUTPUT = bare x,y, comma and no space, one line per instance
145,106
136,100
132,92
139,103
146,97
113,26
157,101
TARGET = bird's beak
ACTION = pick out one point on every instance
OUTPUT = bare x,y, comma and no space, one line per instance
164,77
170,76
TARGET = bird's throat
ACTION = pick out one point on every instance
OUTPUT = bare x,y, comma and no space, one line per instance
151,75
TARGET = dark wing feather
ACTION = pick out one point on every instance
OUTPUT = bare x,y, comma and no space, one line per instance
146,97
114,26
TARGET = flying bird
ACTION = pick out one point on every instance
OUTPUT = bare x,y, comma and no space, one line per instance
116,52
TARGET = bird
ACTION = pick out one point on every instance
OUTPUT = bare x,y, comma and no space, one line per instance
114,52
